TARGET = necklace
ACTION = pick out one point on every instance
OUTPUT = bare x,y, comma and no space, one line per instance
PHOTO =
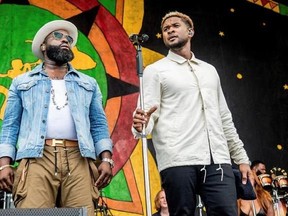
58,107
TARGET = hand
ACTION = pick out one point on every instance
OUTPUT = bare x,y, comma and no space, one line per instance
105,175
6,179
142,118
246,173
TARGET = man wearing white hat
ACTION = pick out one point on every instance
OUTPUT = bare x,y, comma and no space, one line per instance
55,127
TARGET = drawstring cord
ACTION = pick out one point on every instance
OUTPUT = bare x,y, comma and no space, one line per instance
55,165
66,154
205,172
222,173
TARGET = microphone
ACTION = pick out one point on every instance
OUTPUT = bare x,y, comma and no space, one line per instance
138,38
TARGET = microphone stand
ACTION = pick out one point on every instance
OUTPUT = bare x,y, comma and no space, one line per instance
276,202
200,205
139,61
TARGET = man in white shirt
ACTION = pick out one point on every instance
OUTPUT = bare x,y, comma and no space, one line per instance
191,126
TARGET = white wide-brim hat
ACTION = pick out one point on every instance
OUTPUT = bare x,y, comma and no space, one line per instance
49,27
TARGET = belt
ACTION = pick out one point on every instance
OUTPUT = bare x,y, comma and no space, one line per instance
61,143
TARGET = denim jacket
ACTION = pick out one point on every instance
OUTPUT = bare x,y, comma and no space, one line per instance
24,124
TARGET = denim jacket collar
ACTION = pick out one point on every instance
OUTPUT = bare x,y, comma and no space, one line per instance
39,69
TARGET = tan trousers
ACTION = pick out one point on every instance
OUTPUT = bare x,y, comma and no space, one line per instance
37,186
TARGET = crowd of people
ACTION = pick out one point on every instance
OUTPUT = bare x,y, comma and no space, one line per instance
263,204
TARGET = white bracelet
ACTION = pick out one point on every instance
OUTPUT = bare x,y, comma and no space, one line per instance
109,160
5,166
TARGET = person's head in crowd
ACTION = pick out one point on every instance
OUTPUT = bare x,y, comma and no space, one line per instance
258,166
160,201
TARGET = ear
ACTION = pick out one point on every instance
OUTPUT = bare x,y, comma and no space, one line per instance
191,32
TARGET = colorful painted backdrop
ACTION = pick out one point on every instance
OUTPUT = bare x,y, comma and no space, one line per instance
245,40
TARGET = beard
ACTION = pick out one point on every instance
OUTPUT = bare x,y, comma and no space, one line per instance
258,172
59,55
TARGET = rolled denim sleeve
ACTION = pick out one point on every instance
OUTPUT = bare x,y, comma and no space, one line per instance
11,123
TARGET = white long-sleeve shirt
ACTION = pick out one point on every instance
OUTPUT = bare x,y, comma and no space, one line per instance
193,122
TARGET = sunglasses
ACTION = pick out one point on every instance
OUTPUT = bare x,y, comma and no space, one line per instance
59,36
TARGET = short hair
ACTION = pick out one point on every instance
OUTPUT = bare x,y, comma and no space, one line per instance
185,18
256,163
